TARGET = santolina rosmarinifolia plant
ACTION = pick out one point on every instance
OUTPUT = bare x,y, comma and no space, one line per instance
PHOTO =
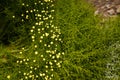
45,55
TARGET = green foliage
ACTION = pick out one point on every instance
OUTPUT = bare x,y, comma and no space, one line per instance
12,29
88,42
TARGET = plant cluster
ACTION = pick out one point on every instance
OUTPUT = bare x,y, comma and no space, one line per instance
113,62
60,39
44,56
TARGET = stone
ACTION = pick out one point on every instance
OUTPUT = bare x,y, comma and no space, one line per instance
107,6
111,12
118,9
96,12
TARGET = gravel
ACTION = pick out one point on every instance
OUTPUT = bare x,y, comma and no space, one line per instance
106,8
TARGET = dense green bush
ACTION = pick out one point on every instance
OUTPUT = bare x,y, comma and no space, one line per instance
12,28
87,42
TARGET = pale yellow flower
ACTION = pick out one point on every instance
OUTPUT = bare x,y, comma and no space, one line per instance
13,16
31,11
30,71
34,60
36,52
8,76
22,14
23,4
27,16
46,0
47,34
27,11
41,55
